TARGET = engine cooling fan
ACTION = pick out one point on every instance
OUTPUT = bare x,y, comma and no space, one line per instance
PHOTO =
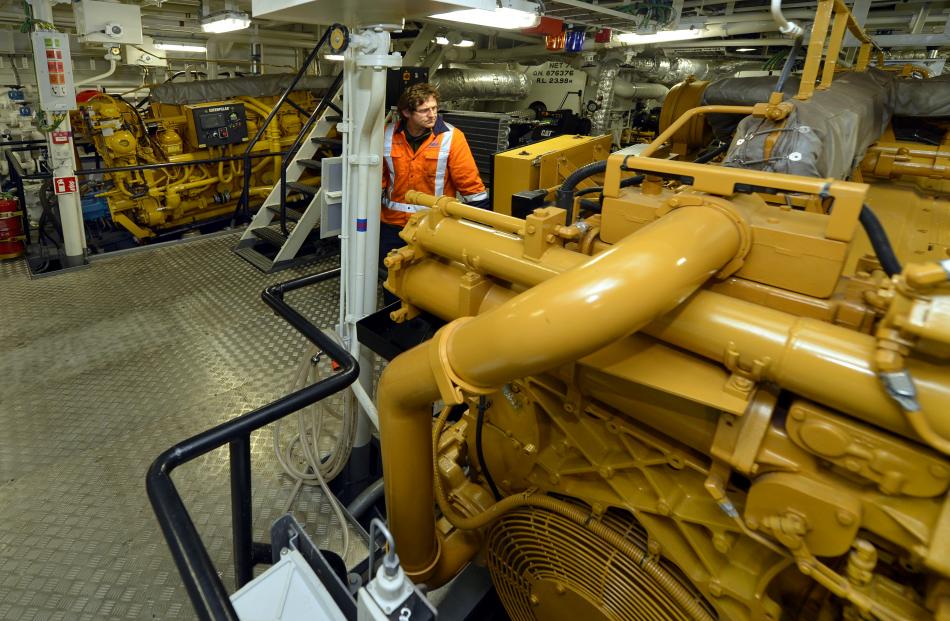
547,568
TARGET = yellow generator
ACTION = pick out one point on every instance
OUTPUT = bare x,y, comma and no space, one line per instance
723,396
204,126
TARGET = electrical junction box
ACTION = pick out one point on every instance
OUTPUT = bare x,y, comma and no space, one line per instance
288,591
331,197
542,165
145,55
215,124
54,71
108,22
399,79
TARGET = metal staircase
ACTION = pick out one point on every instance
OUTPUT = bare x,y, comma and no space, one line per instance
278,232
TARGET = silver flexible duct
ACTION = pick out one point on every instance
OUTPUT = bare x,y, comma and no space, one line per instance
480,84
605,97
670,71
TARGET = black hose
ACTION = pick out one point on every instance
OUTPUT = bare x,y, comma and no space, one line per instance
366,499
479,423
879,241
597,189
710,155
789,65
565,194
591,205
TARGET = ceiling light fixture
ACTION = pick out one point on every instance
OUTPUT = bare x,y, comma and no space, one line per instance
180,47
745,49
225,21
462,43
663,36
333,57
508,15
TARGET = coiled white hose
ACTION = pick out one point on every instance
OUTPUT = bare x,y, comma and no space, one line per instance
320,467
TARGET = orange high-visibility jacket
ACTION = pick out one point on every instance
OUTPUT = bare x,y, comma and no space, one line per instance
443,166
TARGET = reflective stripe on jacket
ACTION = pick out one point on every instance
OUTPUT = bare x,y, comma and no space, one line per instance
443,166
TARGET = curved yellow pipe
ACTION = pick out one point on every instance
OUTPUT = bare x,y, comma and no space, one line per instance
616,293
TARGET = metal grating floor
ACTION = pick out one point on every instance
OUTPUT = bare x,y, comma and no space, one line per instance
100,370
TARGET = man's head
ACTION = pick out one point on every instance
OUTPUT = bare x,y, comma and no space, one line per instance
419,107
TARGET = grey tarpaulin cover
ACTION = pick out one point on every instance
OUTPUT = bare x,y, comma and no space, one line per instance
829,134
923,98
200,91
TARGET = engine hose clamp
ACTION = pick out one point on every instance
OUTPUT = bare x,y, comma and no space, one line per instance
742,228
451,386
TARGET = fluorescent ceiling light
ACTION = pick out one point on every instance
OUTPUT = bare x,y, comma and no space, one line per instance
225,21
180,47
508,15
462,43
745,49
632,38
336,57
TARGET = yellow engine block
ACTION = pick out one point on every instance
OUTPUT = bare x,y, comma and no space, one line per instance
150,201
677,409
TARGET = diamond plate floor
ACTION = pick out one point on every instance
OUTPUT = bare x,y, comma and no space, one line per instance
102,369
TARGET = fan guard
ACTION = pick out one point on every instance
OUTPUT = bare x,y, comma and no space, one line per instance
547,568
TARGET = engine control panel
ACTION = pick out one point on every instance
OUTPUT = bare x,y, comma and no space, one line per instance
216,124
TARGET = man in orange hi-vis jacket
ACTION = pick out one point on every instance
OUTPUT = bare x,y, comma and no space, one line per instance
422,152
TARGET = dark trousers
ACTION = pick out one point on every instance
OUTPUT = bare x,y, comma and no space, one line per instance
388,240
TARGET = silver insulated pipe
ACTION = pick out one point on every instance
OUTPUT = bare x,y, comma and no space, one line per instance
480,84
605,97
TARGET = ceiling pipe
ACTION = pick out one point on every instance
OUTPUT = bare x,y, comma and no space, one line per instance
480,84
787,28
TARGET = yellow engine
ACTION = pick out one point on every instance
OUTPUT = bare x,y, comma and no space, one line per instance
718,398
150,201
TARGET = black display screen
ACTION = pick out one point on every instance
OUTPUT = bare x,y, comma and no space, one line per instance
211,121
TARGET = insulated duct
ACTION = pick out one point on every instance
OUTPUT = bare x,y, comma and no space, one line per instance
480,84
604,96
626,89
825,136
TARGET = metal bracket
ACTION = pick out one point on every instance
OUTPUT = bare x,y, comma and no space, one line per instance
900,387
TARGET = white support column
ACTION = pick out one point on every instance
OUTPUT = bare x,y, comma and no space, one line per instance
63,164
364,95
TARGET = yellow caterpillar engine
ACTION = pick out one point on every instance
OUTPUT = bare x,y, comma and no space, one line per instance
724,396
207,123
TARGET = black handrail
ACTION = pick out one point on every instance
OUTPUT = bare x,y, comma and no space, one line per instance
245,192
205,588
305,130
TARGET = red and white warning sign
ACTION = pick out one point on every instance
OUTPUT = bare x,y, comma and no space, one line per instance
65,185
60,137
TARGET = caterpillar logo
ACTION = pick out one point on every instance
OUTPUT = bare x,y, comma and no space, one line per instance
218,109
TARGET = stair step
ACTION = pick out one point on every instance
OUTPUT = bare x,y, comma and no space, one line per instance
334,118
303,188
292,214
254,258
311,164
270,236
330,142
334,107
